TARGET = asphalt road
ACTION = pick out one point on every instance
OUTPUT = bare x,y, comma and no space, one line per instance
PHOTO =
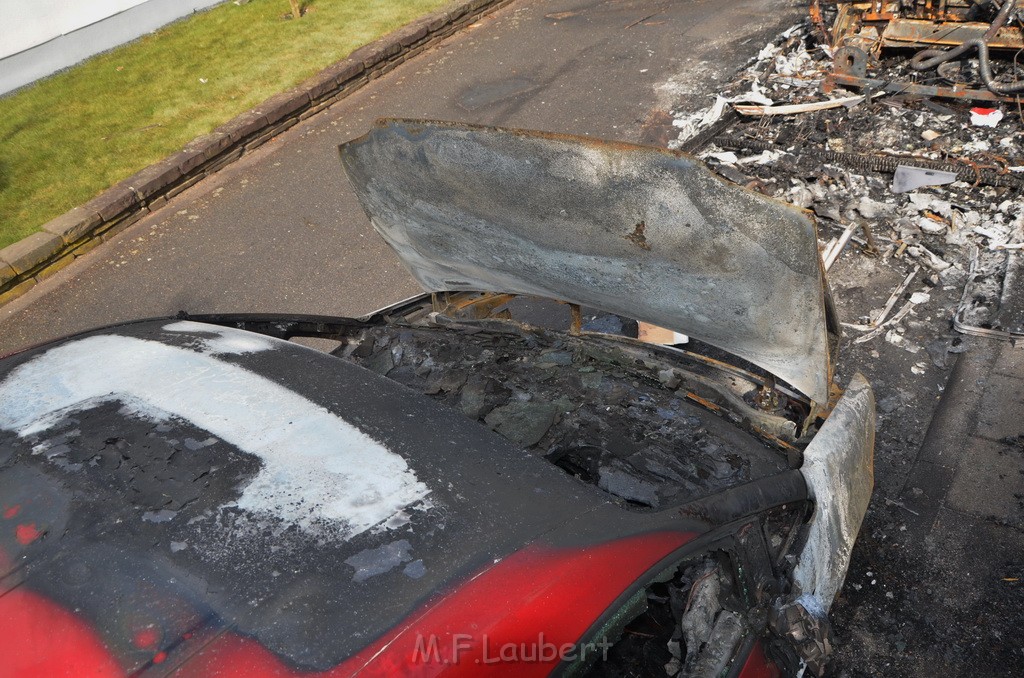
281,231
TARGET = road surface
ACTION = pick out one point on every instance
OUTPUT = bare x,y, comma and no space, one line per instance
280,230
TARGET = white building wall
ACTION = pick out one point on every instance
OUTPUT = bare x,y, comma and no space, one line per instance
40,37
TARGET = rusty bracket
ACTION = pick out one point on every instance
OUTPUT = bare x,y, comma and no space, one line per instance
576,325
959,92
768,399
869,237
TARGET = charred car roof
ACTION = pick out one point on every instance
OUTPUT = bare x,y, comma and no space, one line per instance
182,476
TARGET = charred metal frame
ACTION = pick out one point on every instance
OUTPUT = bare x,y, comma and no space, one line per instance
862,30
741,541
732,519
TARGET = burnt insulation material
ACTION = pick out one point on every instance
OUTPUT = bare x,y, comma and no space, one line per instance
608,423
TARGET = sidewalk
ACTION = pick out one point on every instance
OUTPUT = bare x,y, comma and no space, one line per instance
944,587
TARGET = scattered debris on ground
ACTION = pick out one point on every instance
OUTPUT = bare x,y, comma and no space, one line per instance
920,207
916,184
943,34
933,185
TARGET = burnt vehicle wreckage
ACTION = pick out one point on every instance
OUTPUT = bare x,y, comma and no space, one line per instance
943,34
496,463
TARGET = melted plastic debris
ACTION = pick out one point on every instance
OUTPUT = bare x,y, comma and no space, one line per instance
612,425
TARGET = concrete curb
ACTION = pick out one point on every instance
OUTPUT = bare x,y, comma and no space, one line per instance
73,234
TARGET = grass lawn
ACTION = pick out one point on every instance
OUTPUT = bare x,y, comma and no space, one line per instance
66,138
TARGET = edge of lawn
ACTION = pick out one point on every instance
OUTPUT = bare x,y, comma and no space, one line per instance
75,233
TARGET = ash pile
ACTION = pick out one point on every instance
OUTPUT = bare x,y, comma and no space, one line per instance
907,152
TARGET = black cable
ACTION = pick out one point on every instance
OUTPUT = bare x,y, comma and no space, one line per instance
930,58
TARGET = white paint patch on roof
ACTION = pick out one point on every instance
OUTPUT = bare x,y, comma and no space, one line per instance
318,470
225,339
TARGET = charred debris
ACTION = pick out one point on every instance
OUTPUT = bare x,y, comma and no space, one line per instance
617,413
899,124
653,427
920,212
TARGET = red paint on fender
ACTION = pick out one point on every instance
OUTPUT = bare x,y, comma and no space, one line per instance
514,618
11,511
40,639
528,606
758,665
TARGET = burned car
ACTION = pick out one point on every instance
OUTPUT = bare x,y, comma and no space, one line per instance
504,475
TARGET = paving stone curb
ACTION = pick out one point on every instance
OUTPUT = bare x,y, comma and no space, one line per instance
80,230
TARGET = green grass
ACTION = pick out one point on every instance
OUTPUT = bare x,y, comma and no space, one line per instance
67,138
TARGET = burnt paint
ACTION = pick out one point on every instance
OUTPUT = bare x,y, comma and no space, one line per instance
724,264
203,569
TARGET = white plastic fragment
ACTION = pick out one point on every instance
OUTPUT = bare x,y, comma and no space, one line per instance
791,109
754,96
923,201
985,117
928,258
908,178
727,157
765,157
930,226
870,209
801,196
691,123
766,51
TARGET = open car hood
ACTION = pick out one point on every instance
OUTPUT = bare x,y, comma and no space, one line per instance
643,232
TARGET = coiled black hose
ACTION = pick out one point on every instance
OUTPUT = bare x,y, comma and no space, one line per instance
930,58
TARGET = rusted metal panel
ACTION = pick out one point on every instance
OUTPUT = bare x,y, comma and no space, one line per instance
646,233
899,87
920,33
946,29
880,11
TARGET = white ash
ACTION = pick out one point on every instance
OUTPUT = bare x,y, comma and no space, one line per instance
937,227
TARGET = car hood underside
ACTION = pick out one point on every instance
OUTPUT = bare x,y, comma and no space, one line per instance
643,232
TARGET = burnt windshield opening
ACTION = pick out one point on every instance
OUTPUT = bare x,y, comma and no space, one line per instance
639,434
